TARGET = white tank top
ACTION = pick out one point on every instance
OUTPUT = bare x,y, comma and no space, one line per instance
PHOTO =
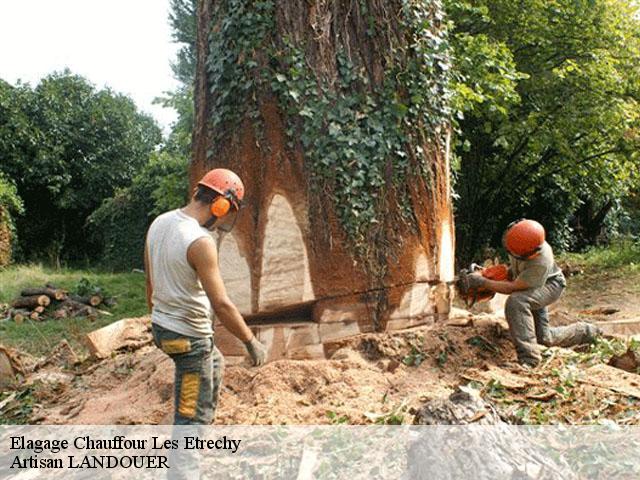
179,302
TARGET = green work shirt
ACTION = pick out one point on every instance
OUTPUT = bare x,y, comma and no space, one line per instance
537,270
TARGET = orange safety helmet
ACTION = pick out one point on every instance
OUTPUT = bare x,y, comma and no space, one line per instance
228,185
524,238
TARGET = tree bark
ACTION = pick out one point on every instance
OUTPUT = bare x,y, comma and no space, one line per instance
52,293
31,302
91,300
290,245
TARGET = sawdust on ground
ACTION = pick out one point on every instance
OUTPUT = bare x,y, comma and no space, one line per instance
373,378
379,378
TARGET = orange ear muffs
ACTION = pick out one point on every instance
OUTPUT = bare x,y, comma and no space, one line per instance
220,207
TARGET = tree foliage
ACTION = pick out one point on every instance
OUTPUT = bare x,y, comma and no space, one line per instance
161,184
121,222
548,93
10,205
363,119
68,146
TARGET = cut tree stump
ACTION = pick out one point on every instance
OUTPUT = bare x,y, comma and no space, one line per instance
52,293
292,246
31,302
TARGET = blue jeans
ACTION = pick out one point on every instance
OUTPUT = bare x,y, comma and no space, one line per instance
198,376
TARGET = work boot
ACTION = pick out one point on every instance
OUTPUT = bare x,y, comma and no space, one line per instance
593,332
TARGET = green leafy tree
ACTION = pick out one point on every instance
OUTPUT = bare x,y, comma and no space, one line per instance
182,19
121,222
548,93
10,205
68,146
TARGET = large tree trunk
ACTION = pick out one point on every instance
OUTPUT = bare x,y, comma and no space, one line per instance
287,95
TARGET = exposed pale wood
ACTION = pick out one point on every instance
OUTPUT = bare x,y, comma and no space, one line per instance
7,400
19,315
60,313
120,334
92,300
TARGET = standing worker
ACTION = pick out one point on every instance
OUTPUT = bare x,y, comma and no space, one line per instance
184,283
535,281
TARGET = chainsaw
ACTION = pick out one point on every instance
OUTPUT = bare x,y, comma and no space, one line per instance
470,296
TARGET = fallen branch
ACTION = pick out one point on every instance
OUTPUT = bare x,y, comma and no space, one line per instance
7,400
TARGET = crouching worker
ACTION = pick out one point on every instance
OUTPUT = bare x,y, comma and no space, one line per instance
534,282
184,283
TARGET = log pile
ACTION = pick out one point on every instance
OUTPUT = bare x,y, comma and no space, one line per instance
51,302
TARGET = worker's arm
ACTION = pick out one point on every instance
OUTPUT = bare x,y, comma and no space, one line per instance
506,287
477,280
147,273
203,257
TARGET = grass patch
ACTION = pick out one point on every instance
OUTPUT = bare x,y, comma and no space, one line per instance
39,337
624,254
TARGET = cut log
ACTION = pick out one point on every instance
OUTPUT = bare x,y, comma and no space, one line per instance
110,302
34,315
19,316
71,308
60,313
92,300
31,302
52,293
39,309
130,332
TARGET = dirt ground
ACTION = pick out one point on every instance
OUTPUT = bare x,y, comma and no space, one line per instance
374,378
599,296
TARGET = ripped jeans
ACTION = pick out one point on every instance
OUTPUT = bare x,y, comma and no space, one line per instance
198,376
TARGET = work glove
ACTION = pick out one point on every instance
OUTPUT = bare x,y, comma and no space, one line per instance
257,351
475,280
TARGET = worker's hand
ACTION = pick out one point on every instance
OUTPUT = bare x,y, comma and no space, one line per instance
257,351
475,280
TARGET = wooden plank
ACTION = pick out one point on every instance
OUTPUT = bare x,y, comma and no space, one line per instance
628,327
611,378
